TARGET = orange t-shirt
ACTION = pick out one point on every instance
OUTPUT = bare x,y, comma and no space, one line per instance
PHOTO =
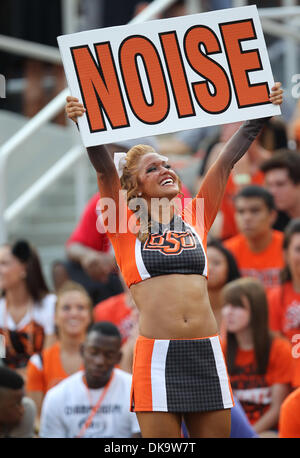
284,316
289,418
284,310
45,370
254,390
116,310
265,265
229,227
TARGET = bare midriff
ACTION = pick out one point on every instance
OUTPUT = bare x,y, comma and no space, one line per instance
174,307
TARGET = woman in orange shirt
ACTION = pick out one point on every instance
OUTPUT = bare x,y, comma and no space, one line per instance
161,254
73,315
259,364
284,299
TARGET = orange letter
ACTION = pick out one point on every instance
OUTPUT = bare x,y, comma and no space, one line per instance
177,75
220,99
130,50
242,62
100,88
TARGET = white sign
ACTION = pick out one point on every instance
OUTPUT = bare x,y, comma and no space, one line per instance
168,75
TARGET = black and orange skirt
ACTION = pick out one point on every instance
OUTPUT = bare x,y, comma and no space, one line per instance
185,375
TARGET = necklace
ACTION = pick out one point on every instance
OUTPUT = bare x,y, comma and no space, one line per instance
96,406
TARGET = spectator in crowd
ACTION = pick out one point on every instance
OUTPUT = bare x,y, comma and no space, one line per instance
257,248
94,402
222,270
59,274
289,418
26,306
284,300
282,179
259,364
119,310
17,412
73,315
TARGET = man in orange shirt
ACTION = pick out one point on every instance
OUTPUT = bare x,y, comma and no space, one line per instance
257,248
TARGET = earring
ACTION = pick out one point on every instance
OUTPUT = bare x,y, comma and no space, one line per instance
139,194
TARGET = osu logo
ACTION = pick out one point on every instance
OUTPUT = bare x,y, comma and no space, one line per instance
170,243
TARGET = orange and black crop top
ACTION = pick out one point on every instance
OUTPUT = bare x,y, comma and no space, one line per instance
179,247
172,248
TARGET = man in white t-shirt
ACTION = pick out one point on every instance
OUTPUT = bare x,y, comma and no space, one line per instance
94,402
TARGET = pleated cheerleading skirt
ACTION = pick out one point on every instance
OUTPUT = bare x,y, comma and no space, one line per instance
186,375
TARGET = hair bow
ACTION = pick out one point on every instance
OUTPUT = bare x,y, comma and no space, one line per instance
120,162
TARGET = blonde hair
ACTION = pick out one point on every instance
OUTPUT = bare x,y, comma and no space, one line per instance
129,182
71,286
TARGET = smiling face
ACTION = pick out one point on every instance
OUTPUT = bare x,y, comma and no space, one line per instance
12,271
155,177
73,313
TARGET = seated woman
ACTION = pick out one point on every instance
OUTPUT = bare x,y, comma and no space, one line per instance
259,364
222,270
73,315
284,299
26,306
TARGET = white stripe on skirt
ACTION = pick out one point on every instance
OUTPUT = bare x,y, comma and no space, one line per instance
222,371
139,261
158,379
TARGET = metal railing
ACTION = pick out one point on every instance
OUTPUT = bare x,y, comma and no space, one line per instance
270,24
